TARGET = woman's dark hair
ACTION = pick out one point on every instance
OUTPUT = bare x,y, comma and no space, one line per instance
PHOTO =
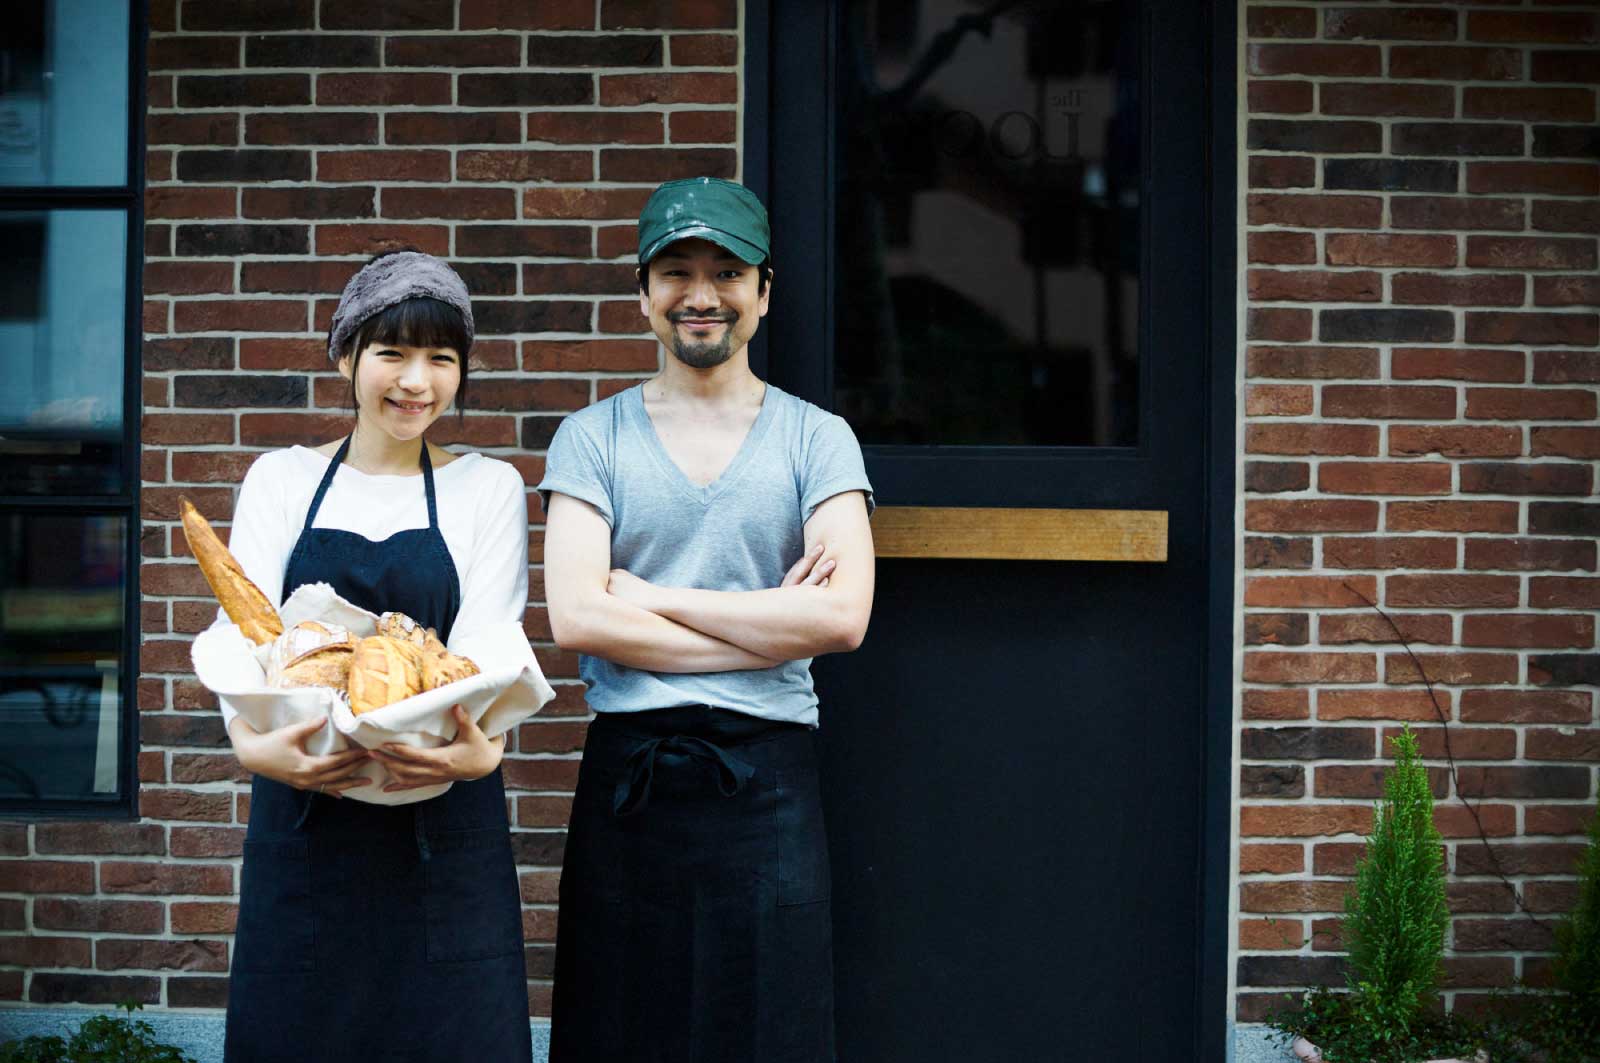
763,275
420,321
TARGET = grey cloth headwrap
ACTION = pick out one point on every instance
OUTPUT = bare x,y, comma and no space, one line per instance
390,280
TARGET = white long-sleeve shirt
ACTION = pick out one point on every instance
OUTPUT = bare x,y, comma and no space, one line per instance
483,516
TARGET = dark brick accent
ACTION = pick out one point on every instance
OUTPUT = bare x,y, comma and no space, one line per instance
1320,137
1565,670
1569,142
311,50
1391,175
1307,743
524,90
1272,780
1563,518
239,390
213,240
498,317
1455,138
255,165
1386,326
566,50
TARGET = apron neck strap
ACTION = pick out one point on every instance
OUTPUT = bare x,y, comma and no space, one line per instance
327,480
427,485
338,459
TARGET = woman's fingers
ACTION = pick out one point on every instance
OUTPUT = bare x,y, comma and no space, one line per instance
467,728
393,751
335,761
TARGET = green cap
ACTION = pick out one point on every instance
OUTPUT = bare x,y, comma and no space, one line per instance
709,208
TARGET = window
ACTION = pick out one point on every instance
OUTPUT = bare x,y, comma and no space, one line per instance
987,222
70,217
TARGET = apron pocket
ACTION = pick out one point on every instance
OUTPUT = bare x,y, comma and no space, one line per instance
803,872
473,904
275,915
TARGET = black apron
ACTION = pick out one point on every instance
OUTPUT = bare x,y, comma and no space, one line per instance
375,931
695,922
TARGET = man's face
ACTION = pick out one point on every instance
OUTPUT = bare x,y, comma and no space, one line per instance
704,303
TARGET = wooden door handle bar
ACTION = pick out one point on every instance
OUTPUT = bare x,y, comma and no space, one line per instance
1021,534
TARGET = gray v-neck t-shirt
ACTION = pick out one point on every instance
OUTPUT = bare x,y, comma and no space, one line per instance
739,533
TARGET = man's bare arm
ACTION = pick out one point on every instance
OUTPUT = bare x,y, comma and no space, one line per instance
587,619
790,622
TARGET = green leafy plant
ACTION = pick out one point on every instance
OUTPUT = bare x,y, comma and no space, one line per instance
101,1039
1561,1027
1577,966
1335,1022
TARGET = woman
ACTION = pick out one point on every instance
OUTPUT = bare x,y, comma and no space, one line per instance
369,931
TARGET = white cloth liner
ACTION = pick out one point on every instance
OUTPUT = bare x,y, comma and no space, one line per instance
509,688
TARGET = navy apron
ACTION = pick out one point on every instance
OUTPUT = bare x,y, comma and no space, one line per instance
375,931
695,923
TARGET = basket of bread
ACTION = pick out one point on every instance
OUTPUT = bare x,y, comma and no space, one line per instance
377,677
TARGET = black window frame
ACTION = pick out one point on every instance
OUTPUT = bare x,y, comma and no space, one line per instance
1092,476
129,198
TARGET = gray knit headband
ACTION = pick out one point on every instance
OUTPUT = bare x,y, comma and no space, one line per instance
393,279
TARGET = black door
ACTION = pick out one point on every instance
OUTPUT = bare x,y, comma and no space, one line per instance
1003,242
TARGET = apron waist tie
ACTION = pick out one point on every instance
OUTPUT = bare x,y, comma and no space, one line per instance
633,792
420,827
305,809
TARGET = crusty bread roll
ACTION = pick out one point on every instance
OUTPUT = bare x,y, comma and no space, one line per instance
383,671
439,665
441,669
241,599
325,666
290,662
402,628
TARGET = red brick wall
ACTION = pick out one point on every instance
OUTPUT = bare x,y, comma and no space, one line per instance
290,140
1420,432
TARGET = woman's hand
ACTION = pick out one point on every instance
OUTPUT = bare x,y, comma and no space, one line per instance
281,755
470,756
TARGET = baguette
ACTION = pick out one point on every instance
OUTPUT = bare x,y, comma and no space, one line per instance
241,599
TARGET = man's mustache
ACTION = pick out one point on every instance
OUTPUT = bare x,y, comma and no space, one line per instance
726,316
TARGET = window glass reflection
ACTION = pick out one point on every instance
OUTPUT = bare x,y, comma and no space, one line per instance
986,285
61,351
64,93
61,635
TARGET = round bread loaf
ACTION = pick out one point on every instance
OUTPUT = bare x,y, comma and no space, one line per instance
383,670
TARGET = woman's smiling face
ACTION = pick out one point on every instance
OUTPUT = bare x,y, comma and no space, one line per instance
402,390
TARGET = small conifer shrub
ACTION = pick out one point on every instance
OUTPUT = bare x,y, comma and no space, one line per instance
1395,914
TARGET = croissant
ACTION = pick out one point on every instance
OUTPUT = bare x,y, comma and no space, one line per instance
383,670
241,599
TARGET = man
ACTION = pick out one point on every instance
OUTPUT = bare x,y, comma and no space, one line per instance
707,535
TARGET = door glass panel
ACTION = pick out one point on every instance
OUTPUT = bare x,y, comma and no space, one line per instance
61,339
986,226
62,583
64,93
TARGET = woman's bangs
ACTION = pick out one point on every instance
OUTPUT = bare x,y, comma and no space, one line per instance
417,322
